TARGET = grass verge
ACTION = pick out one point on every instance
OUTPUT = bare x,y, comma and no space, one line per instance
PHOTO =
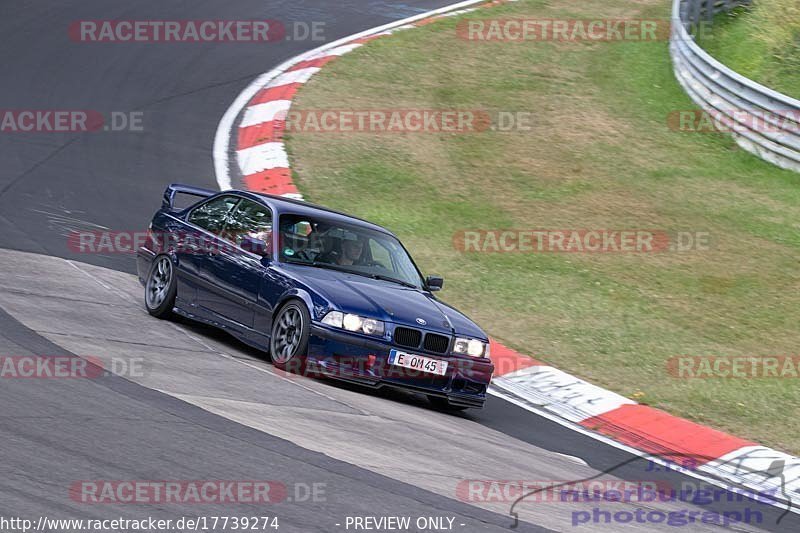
761,42
599,155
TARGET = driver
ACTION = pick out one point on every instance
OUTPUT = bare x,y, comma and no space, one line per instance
352,250
349,250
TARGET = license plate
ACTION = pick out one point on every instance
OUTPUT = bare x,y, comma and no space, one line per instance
418,362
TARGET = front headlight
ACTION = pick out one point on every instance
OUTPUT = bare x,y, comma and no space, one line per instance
355,323
471,347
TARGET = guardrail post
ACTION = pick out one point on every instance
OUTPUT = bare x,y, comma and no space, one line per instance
710,10
694,13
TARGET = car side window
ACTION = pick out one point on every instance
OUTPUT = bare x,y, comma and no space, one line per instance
298,239
212,215
381,255
250,219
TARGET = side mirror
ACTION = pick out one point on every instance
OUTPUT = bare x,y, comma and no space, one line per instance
256,246
434,283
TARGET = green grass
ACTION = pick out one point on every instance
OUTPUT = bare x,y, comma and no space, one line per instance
761,42
599,155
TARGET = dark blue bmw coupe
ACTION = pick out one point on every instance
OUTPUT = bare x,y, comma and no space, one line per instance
314,288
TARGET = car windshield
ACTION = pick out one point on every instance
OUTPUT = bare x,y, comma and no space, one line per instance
325,244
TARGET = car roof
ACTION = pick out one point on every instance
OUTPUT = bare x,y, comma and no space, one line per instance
290,206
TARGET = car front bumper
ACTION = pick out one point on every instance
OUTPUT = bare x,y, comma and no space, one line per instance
358,359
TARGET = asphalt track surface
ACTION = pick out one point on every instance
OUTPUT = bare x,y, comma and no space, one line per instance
54,183
207,407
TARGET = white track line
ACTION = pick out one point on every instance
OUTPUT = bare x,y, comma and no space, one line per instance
265,157
706,477
225,132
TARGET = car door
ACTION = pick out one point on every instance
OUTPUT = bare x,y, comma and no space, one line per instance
204,224
235,273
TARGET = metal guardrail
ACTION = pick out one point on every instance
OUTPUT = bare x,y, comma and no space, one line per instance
763,121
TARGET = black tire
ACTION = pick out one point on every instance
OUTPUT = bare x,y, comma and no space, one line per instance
161,287
443,404
288,343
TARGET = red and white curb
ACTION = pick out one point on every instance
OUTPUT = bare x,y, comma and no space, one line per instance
249,145
249,140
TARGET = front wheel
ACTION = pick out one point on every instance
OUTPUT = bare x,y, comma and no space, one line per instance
161,288
289,340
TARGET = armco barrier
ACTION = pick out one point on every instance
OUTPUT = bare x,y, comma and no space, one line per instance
763,122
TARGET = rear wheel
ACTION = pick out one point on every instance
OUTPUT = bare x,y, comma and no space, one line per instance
289,340
444,404
160,288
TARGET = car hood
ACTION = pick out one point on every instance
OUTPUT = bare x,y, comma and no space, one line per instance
390,302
